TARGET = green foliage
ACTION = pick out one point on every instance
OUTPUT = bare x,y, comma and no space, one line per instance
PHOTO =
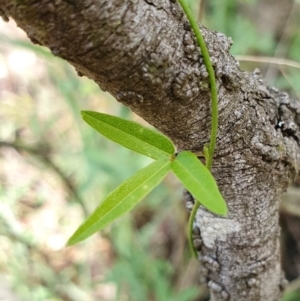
140,275
130,135
199,182
123,199
146,141
291,296
144,277
225,17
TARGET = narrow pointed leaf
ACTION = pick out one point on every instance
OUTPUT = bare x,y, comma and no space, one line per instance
122,199
130,134
198,180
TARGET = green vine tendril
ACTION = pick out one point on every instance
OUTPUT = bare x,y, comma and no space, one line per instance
209,153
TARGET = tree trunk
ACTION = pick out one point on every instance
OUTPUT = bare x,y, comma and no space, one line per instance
144,53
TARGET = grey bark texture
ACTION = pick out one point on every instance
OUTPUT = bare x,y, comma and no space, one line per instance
144,53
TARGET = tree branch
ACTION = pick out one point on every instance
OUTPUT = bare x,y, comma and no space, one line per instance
144,53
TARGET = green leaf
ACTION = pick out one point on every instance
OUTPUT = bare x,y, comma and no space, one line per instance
197,179
122,199
130,134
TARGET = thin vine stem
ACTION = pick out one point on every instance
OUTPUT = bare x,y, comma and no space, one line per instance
212,80
214,107
190,227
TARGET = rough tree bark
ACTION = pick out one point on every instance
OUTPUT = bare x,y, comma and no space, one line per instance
143,53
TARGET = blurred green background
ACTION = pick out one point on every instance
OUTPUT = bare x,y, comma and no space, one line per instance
54,170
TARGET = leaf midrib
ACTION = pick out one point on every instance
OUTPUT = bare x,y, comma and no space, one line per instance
114,208
127,134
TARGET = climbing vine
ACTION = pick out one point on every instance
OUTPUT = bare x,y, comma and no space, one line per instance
196,177
207,151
